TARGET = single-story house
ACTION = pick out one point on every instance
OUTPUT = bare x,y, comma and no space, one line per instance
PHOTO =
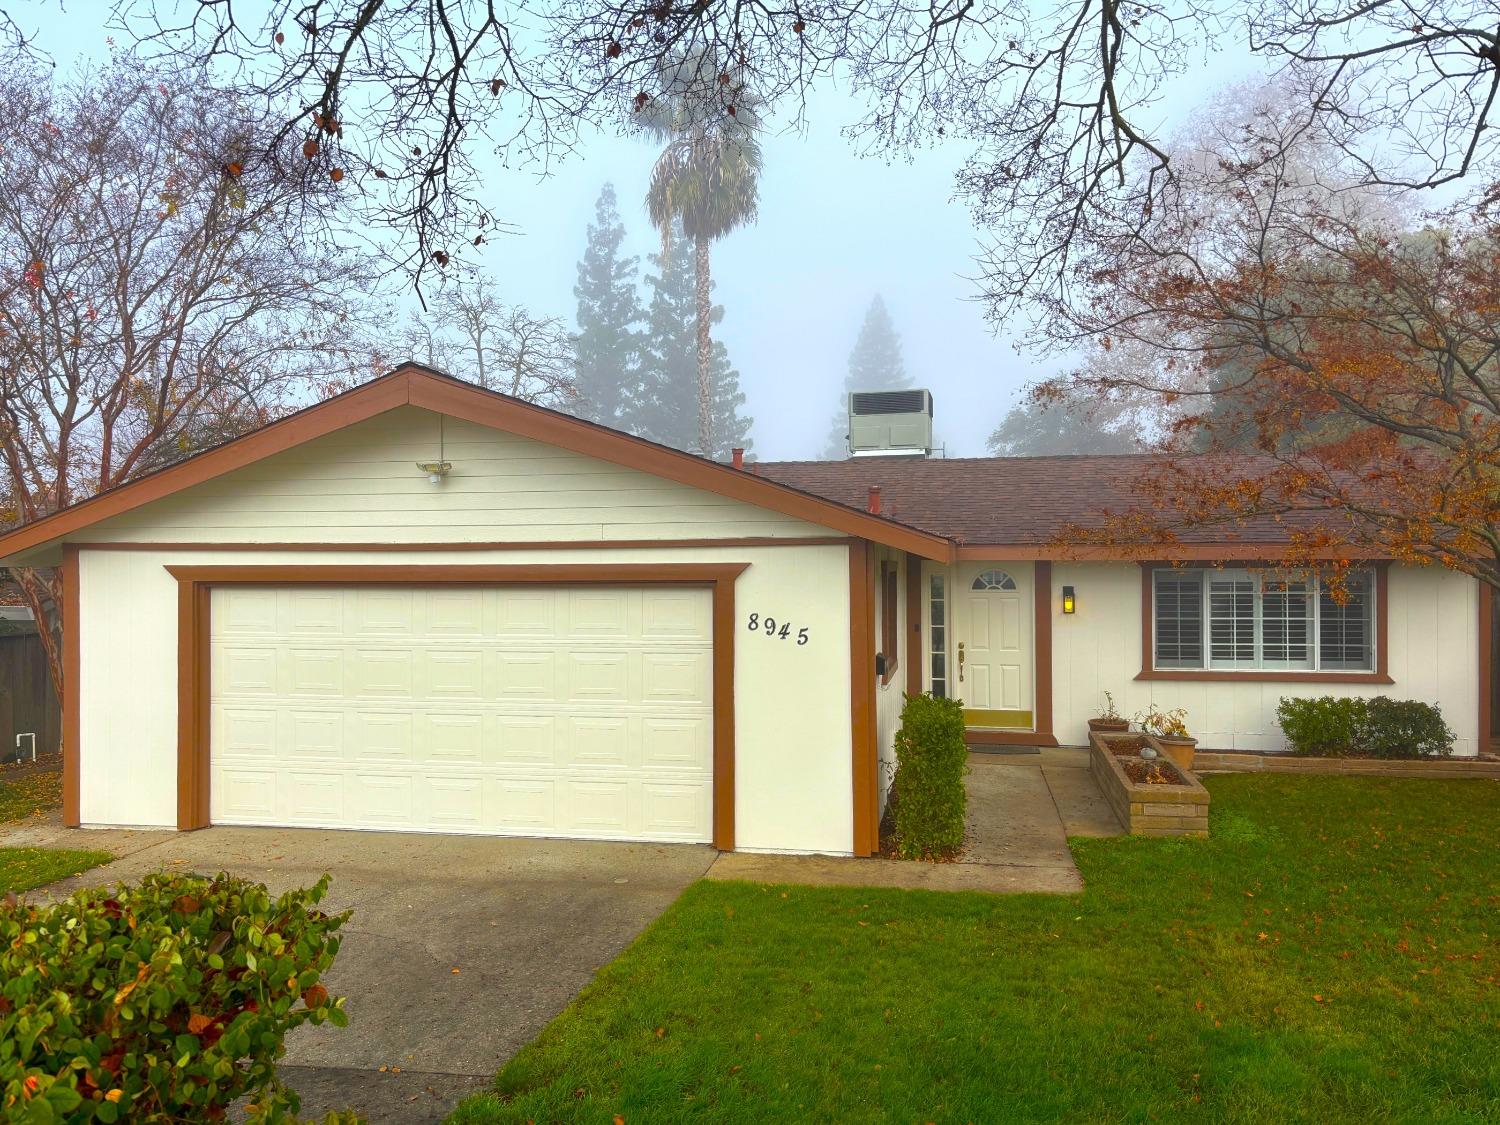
424,606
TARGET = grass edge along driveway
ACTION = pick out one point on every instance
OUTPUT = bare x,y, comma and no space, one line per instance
1331,954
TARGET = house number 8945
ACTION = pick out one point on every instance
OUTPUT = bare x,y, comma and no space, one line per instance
781,630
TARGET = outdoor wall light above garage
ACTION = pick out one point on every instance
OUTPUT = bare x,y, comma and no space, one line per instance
435,470
1068,602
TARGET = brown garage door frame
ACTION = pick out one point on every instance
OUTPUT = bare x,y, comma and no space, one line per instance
195,583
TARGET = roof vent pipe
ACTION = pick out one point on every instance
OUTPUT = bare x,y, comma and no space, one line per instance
875,499
739,458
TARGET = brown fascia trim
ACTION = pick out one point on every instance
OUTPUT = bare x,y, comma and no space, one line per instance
71,700
1182,553
1486,734
1381,675
915,648
864,790
412,385
1041,595
512,545
194,608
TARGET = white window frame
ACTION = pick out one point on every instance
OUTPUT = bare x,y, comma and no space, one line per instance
1259,664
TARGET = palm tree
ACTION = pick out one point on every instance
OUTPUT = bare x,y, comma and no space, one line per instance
706,179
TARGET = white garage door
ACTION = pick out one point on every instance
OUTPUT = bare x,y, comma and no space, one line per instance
521,710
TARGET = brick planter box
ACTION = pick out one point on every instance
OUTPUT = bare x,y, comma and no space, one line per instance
1238,761
1149,810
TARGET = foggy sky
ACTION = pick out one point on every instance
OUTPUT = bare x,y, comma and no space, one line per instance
834,229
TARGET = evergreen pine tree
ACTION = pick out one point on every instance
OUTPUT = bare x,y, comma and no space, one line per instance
874,365
669,363
608,342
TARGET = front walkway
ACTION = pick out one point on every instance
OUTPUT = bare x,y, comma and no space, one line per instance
1022,809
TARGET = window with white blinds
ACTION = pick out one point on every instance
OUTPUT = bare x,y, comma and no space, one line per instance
1236,619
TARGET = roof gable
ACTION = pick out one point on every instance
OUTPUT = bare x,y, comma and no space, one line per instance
416,386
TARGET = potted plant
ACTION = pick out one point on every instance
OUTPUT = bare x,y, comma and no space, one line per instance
1169,728
1109,719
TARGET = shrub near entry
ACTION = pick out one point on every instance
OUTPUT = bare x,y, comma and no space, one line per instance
164,1001
1332,727
928,795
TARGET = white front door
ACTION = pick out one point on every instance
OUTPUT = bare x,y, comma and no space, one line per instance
994,644
582,711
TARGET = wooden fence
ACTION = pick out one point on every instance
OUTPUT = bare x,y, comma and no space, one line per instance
27,703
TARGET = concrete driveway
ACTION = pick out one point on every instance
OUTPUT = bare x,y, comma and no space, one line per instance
526,923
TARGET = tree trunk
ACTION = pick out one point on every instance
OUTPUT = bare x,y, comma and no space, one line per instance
705,352
42,590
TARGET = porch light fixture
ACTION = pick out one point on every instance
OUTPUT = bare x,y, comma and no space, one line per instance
437,470
1068,603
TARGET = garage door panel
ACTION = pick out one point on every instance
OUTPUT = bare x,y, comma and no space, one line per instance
454,802
457,613
446,737
681,614
597,677
315,734
517,711
380,798
245,795
522,804
312,796
594,742
451,673
524,740
677,744
313,612
676,677
381,673
525,674
312,672
381,736
245,671
594,807
596,614
246,611
384,612
673,810
526,613
246,732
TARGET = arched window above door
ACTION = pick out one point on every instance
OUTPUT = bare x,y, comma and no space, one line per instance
994,580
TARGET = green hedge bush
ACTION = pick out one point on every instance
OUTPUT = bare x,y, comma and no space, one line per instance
163,1001
927,794
1334,727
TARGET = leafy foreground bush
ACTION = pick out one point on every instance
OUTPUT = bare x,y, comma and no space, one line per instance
927,794
1333,727
165,1001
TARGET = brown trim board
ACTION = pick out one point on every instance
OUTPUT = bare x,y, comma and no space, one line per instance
1178,552
1381,674
915,649
524,545
417,386
1486,732
71,700
195,584
1041,673
866,794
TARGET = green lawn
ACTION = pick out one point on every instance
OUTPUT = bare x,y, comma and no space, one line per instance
1332,954
21,869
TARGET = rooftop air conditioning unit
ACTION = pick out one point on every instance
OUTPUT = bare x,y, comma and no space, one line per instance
890,423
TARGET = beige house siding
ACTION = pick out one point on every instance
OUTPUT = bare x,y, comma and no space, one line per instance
1433,657
362,485
793,746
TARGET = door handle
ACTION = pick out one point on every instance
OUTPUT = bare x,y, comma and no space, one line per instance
960,662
